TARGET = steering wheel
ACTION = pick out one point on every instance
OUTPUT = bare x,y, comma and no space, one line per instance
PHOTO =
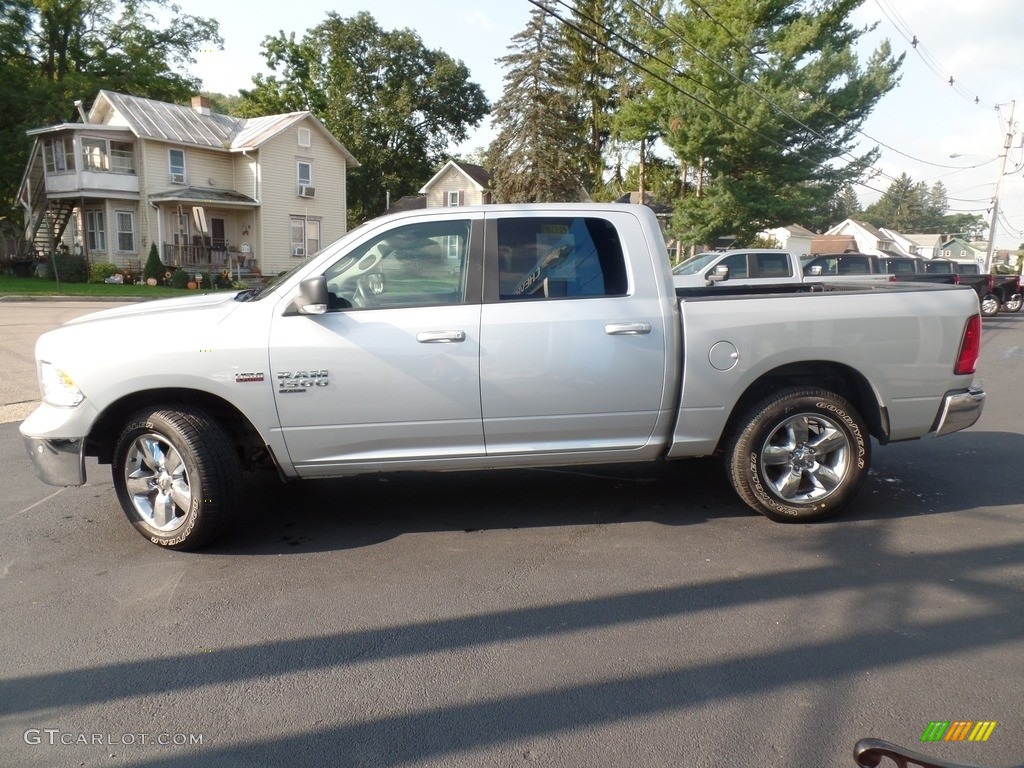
368,288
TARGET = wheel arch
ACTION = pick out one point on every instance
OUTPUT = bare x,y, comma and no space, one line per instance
841,379
251,447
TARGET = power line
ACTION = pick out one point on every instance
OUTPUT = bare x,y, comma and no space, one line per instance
890,12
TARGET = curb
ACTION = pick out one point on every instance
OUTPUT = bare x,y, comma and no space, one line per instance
41,297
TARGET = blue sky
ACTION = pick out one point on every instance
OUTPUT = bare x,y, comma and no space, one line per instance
979,43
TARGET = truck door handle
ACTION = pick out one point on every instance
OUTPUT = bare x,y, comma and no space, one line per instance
440,337
627,329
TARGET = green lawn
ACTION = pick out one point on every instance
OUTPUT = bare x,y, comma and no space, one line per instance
38,286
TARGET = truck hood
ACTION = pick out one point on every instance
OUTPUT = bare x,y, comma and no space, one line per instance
207,301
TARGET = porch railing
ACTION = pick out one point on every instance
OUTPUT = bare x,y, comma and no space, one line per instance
206,256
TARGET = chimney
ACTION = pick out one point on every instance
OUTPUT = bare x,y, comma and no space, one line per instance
201,104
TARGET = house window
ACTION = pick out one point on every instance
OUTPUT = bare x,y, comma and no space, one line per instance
59,155
94,154
305,139
305,236
304,178
454,199
122,157
100,155
176,165
125,231
95,234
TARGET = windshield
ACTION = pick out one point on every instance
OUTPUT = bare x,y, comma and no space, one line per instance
695,264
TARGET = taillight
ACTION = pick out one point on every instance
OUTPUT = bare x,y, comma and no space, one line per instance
970,347
956,279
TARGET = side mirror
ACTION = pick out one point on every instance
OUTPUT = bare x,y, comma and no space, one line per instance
312,298
815,270
720,273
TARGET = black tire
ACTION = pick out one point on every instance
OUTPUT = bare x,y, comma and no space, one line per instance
177,477
800,455
989,305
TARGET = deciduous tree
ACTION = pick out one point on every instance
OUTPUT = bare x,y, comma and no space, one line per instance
395,104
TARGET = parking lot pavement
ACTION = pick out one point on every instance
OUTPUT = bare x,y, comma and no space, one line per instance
608,616
21,323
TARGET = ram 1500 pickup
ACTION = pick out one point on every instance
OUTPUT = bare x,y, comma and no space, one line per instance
767,267
490,337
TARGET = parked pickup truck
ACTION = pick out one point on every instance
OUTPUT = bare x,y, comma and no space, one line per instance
994,291
489,337
766,267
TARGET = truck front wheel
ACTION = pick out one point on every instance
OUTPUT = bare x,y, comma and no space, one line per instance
989,305
177,476
800,455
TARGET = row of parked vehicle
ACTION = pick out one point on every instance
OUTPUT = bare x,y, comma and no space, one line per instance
766,266
995,292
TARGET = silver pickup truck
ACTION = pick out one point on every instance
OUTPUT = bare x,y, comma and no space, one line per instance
774,266
498,336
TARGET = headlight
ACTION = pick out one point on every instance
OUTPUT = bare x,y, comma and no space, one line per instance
58,387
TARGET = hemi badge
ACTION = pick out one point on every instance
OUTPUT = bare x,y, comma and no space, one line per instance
244,378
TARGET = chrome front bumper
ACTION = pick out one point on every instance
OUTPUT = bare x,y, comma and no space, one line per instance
959,410
57,462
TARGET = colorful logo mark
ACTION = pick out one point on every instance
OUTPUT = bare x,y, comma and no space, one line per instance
958,730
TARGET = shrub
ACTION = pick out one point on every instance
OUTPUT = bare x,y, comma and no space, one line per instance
101,271
70,268
154,267
180,278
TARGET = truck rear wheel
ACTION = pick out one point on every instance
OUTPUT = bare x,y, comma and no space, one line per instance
1013,303
177,476
800,455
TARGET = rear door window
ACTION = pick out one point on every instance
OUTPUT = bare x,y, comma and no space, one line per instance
558,258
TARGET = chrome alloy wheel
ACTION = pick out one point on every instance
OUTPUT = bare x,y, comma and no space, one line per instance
157,482
805,458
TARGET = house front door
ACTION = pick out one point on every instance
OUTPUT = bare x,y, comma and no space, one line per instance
218,241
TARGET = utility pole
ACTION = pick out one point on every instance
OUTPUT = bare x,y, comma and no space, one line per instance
999,183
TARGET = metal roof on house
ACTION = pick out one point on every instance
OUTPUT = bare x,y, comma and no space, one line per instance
179,124
151,119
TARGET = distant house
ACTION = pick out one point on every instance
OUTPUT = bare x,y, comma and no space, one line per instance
794,238
868,239
960,250
458,183
927,246
211,190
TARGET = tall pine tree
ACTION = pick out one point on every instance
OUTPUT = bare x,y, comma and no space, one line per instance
539,154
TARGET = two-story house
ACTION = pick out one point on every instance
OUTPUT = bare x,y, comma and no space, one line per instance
211,190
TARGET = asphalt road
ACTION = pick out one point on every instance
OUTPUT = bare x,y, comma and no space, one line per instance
617,616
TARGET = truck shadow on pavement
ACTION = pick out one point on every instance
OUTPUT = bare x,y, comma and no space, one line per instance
925,477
